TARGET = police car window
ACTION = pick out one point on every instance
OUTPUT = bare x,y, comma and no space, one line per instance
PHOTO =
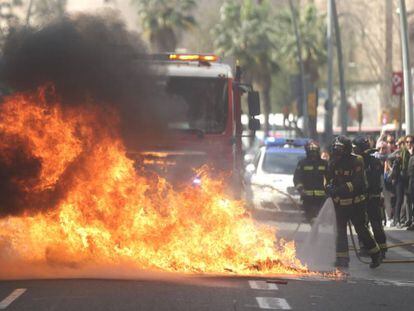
197,103
281,163
256,158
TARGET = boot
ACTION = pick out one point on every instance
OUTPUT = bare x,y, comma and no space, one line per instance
363,252
383,253
376,260
342,262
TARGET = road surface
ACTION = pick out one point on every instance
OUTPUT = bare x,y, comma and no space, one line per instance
389,287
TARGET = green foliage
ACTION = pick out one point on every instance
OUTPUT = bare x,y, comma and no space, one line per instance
8,17
162,20
246,31
45,11
312,29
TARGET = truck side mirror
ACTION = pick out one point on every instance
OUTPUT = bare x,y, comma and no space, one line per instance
254,124
253,99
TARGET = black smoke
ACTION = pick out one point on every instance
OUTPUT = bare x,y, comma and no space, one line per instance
87,58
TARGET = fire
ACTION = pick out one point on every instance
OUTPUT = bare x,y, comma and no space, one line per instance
107,214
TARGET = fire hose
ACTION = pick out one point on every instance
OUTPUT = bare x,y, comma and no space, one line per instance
351,233
388,247
295,204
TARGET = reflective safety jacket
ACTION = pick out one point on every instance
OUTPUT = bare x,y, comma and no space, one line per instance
374,171
311,175
348,178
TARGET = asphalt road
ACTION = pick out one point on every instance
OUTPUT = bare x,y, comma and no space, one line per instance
390,287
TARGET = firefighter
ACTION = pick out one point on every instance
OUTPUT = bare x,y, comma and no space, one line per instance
309,179
374,171
347,186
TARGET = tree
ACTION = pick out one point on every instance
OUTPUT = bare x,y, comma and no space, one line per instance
312,31
162,20
246,32
8,18
313,34
46,10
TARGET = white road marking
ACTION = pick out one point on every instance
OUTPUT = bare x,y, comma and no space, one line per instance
12,297
394,283
262,285
272,303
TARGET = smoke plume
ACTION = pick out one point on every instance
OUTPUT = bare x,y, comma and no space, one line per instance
85,59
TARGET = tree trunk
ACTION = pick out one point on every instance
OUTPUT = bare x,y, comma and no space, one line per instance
386,86
164,40
265,82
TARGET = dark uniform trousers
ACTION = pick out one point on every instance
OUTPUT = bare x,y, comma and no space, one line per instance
375,218
311,207
356,214
374,173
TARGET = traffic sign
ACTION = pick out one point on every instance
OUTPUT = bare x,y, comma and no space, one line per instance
397,83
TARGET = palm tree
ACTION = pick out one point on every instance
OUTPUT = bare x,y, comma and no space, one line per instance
163,19
8,17
46,10
313,34
312,30
246,32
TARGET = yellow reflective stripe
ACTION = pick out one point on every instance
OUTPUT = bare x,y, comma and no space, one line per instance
347,173
350,186
383,246
342,254
321,168
308,168
316,193
374,195
374,250
346,202
359,199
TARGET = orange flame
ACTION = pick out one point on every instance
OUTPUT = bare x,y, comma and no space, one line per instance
110,215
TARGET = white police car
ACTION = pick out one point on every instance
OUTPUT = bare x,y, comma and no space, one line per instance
269,177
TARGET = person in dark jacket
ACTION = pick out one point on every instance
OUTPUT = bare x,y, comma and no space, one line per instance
309,179
374,172
400,159
410,173
347,186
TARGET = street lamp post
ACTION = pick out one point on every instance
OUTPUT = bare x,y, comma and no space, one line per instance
329,106
305,115
408,90
344,104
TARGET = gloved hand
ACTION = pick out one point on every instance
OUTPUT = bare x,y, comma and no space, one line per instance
331,190
301,190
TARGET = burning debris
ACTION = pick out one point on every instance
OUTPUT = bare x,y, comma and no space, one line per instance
73,197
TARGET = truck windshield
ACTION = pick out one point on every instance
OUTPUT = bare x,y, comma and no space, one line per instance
197,104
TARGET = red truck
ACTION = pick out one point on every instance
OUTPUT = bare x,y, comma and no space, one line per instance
205,125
